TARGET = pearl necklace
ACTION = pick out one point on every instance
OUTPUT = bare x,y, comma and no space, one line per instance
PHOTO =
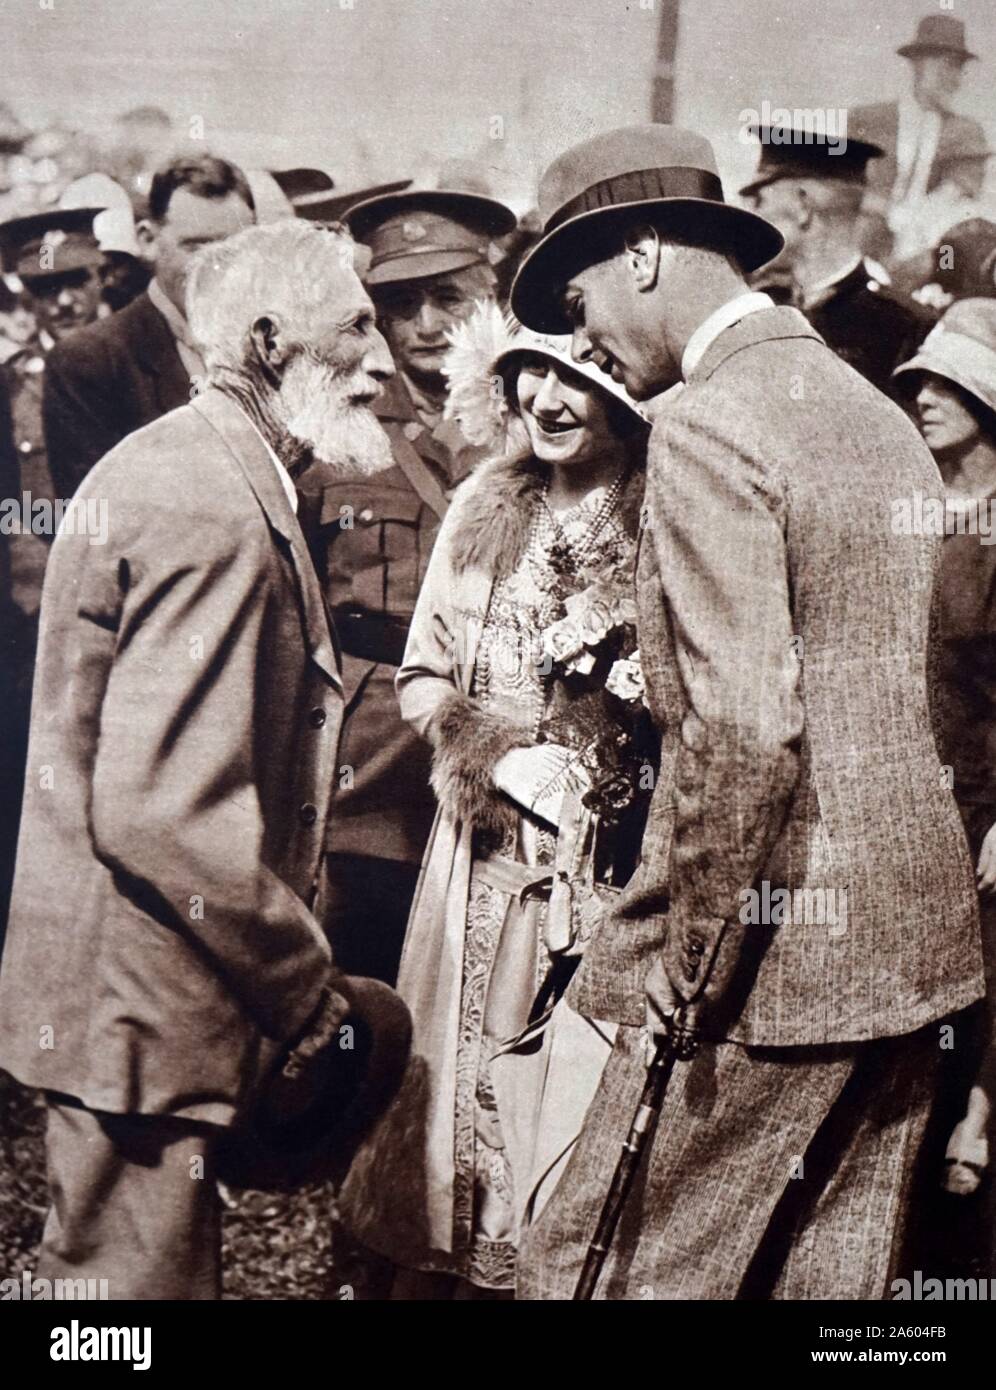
579,550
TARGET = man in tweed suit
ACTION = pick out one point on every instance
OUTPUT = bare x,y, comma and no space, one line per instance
784,639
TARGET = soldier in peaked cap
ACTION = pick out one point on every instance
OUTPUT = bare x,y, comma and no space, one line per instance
768,477
430,260
812,191
53,258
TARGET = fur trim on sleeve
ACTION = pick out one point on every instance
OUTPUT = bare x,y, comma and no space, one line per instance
468,741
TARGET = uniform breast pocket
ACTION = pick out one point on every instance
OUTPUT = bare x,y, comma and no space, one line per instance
377,544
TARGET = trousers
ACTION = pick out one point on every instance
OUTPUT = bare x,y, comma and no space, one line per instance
134,1202
772,1173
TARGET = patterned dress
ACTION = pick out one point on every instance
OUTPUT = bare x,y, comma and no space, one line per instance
497,998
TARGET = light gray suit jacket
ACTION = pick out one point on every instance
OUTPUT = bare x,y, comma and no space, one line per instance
183,743
784,639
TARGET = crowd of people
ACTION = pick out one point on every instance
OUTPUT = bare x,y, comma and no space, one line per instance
482,608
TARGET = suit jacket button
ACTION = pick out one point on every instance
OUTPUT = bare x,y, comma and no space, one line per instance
695,946
317,717
308,813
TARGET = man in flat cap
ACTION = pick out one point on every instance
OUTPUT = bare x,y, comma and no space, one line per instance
430,260
805,908
811,190
918,132
126,371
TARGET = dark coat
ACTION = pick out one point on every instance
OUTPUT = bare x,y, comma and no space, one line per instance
870,326
104,382
181,757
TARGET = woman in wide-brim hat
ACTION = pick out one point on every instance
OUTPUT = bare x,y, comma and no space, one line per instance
522,671
954,378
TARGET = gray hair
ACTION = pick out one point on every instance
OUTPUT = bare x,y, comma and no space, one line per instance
279,269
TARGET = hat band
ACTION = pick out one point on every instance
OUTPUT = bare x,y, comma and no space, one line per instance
641,186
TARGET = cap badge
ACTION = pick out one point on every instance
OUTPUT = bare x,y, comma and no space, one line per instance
413,231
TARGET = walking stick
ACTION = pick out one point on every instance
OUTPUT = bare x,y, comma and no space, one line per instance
678,1044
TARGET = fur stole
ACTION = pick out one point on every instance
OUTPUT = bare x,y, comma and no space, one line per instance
495,513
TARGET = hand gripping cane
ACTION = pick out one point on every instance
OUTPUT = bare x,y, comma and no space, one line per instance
678,1044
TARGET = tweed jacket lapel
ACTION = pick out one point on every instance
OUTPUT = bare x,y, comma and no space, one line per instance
246,446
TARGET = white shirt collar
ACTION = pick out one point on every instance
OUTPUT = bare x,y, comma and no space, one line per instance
282,474
718,321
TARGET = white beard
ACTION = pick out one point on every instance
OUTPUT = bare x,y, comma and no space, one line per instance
315,408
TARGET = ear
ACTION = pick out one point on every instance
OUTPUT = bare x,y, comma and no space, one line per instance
803,210
147,236
643,256
270,344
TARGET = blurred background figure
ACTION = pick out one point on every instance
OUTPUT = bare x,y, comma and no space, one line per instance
141,140
123,273
954,378
14,723
813,194
140,363
50,262
48,159
960,265
956,198
918,134
315,195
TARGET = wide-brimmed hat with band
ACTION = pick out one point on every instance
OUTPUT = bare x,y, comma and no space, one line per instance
483,353
599,185
962,349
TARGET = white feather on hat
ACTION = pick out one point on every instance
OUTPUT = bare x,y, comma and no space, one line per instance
476,397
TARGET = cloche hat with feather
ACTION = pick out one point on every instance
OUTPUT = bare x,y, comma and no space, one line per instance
483,350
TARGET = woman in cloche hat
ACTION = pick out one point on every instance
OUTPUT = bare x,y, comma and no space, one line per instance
522,671
954,375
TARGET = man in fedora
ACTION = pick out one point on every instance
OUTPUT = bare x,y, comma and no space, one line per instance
917,132
783,637
812,192
165,946
430,260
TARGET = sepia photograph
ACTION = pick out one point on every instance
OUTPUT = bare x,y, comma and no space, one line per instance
498,666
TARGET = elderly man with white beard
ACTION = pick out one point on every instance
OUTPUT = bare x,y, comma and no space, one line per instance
163,953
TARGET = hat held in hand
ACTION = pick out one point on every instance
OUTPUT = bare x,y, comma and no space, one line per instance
315,1109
